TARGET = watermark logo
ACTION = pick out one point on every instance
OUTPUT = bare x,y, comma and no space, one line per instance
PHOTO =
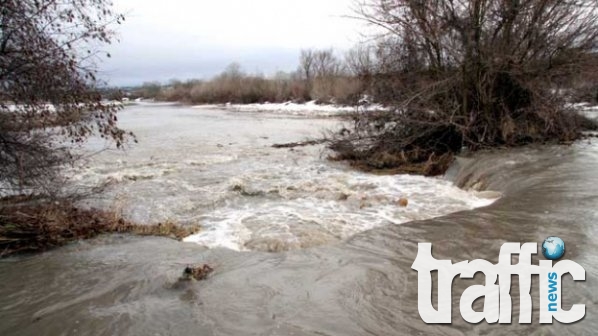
496,291
553,248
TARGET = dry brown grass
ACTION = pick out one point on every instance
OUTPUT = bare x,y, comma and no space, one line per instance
249,89
38,226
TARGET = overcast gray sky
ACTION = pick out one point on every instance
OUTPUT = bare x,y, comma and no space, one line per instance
182,39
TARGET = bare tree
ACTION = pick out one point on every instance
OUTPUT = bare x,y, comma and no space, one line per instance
319,70
327,72
48,79
326,64
360,61
307,64
476,73
306,70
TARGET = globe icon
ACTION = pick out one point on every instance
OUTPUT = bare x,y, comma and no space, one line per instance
553,248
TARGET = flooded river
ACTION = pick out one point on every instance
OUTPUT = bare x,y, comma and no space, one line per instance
300,245
218,169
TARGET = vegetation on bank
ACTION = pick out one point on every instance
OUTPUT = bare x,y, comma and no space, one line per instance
30,225
472,74
49,96
321,76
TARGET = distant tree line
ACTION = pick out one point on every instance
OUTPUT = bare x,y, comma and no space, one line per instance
321,76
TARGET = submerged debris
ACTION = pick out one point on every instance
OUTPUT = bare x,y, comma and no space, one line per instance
198,273
403,202
300,143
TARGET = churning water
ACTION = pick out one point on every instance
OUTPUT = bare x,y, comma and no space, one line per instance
218,169
251,197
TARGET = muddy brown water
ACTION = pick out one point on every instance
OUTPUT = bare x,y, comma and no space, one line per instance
123,285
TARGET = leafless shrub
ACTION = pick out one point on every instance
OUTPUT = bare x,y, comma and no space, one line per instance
472,73
345,90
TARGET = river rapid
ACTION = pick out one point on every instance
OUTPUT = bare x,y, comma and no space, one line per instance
300,245
218,169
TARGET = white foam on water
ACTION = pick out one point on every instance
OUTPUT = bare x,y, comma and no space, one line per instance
330,206
218,169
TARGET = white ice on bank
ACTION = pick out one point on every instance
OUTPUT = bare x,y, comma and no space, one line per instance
309,108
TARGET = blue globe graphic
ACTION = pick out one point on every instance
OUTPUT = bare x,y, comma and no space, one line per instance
553,248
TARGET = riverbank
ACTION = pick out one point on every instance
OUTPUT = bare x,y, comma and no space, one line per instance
32,225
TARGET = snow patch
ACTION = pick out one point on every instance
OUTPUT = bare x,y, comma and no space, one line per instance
309,108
